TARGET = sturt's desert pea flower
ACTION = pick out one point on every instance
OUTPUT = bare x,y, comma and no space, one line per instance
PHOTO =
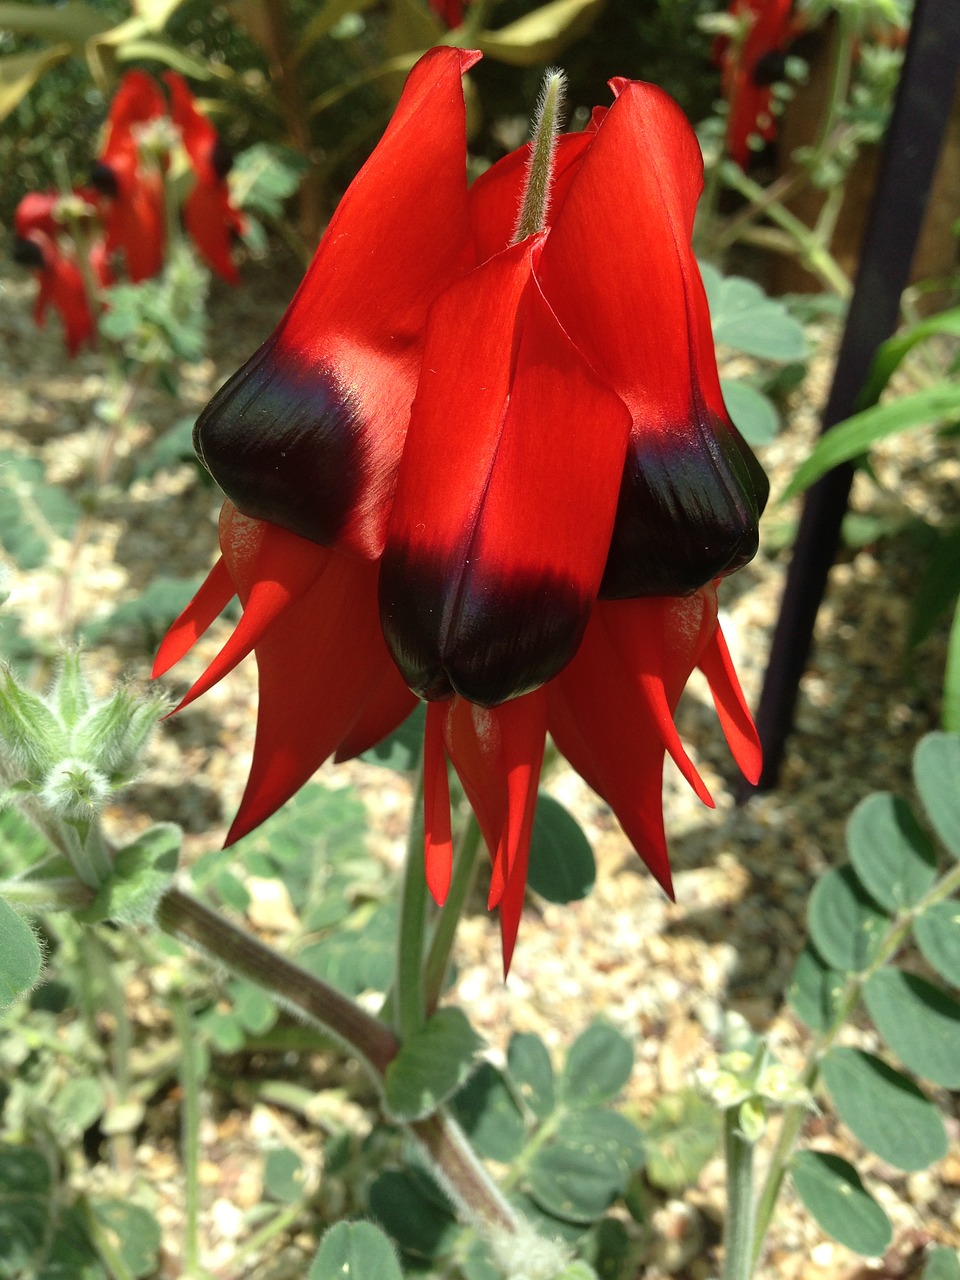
141,132
750,66
484,460
42,240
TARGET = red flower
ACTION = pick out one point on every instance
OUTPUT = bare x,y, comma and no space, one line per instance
750,68
133,184
494,473
42,242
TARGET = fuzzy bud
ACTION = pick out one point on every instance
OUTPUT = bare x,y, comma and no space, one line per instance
75,791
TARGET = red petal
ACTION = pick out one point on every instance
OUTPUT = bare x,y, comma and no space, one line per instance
606,707
499,532
437,836
212,598
320,662
738,727
308,434
389,706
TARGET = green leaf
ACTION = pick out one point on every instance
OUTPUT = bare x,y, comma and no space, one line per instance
264,176
754,414
892,855
936,775
890,353
942,1264
19,72
853,437
357,959
142,873
33,513
171,449
256,1011
950,712
72,21
939,585
135,1232
919,1022
224,1029
414,1211
937,932
283,1175
831,1189
846,925
746,320
540,35
887,1112
562,868
355,1251
532,1072
21,844
76,1106
597,1067
585,1164
20,957
431,1065
815,989
402,749
680,1136
489,1115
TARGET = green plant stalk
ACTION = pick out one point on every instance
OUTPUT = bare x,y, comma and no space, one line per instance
409,1004
794,1115
738,1255
191,1084
441,940
59,893
813,253
839,81
188,919
121,1042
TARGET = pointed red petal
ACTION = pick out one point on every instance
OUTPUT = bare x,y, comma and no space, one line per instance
601,714
308,434
211,599
496,548
387,709
271,569
738,727
320,662
437,837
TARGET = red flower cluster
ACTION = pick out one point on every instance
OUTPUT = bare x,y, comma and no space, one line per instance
750,68
491,471
126,202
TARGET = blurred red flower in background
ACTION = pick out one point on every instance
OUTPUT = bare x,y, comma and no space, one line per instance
491,470
749,69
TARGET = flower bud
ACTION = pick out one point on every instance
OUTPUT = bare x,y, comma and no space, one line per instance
75,791
29,729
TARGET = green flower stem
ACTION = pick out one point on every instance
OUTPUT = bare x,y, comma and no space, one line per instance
795,1114
188,919
813,253
191,1083
738,1258
107,989
90,855
441,941
409,1005
546,125
59,893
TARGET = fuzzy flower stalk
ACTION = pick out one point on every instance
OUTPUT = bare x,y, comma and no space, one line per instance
491,469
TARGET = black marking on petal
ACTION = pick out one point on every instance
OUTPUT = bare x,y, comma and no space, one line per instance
769,68
221,158
27,253
453,628
282,439
103,179
690,502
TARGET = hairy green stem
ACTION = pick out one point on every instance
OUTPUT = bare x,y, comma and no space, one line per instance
794,1115
188,919
441,940
536,194
58,893
462,1173
738,1256
409,1004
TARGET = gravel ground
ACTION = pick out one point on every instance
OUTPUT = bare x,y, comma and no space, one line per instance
661,972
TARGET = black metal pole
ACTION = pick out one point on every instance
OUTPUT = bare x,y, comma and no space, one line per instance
911,148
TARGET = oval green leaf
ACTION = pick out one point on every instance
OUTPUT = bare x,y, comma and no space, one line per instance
532,1072
942,1264
831,1189
893,856
937,933
754,414
885,1109
20,957
815,990
846,925
919,1022
490,1116
936,774
431,1065
585,1164
597,1067
355,1251
562,868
